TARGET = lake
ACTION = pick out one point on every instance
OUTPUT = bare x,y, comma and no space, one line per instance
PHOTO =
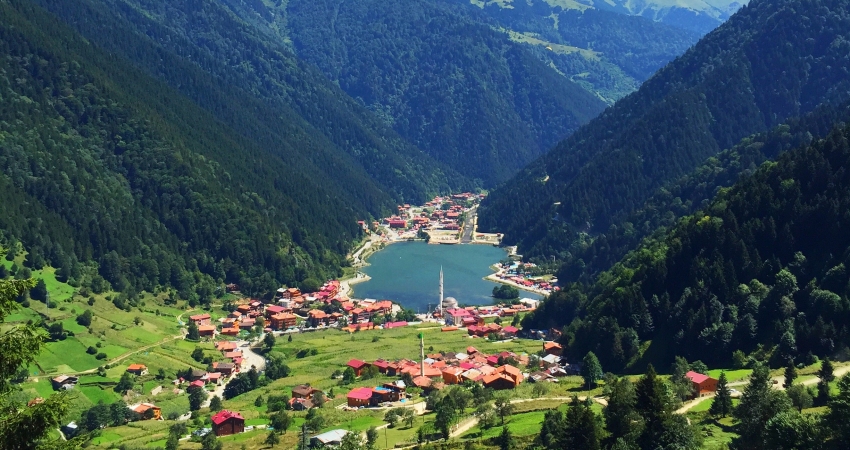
409,274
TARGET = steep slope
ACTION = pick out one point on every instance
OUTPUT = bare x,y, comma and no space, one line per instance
109,175
697,15
764,65
587,257
761,269
208,53
459,90
609,53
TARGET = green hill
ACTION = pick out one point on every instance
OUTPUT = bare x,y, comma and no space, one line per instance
725,88
118,180
761,269
450,84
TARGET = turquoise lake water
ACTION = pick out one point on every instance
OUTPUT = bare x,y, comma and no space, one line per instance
409,274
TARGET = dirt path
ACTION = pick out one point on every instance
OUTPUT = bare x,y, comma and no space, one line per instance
129,354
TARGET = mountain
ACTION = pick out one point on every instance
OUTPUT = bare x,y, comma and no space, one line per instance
606,52
698,15
207,52
588,257
116,178
760,270
761,67
459,90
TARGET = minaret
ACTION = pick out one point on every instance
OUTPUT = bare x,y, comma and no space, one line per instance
441,293
421,354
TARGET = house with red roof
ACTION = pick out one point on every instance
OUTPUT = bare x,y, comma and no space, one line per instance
137,369
358,397
225,346
230,331
704,385
382,365
206,330
451,375
225,423
200,319
357,365
147,411
316,317
552,348
283,321
504,377
271,310
510,331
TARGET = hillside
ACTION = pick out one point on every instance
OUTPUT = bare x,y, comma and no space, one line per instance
589,256
462,92
698,15
259,88
760,269
608,53
115,179
723,89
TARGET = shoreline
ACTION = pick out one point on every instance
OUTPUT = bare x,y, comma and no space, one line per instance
347,285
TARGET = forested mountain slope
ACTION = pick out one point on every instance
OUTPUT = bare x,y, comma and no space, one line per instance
589,256
608,53
773,60
763,265
110,175
698,15
457,89
256,85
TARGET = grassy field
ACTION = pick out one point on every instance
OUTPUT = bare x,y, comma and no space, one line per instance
732,375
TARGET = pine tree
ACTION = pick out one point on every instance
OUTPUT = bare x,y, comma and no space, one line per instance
591,370
837,417
790,375
215,403
721,405
620,415
583,428
826,375
653,406
759,404
192,332
506,439
272,439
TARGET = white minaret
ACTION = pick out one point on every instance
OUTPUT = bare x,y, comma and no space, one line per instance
441,293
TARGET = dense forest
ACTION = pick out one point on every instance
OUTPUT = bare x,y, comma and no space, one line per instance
773,60
456,88
259,88
760,270
119,181
589,256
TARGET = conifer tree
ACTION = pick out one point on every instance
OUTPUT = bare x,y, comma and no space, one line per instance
826,375
790,374
591,370
721,405
192,333
837,417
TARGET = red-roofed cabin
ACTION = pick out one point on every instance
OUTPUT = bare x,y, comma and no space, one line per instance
451,375
143,408
231,331
359,397
206,330
552,348
316,317
200,319
703,384
291,293
271,310
357,366
137,369
381,365
225,423
397,223
510,331
283,321
471,351
225,346
244,309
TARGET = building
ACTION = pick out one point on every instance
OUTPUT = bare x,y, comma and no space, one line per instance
357,365
304,391
200,319
225,423
225,346
455,316
451,375
64,382
316,317
282,321
206,330
147,411
225,368
328,439
552,348
704,385
137,369
504,377
359,397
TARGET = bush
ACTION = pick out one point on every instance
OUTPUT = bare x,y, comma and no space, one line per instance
91,350
100,355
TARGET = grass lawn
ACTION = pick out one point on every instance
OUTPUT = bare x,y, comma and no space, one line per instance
523,424
704,405
95,394
731,375
66,356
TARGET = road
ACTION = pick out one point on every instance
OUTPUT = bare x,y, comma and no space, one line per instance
250,359
469,226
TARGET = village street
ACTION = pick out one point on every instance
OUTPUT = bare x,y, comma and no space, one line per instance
250,359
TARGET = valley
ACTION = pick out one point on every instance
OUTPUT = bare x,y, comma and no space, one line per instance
430,224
